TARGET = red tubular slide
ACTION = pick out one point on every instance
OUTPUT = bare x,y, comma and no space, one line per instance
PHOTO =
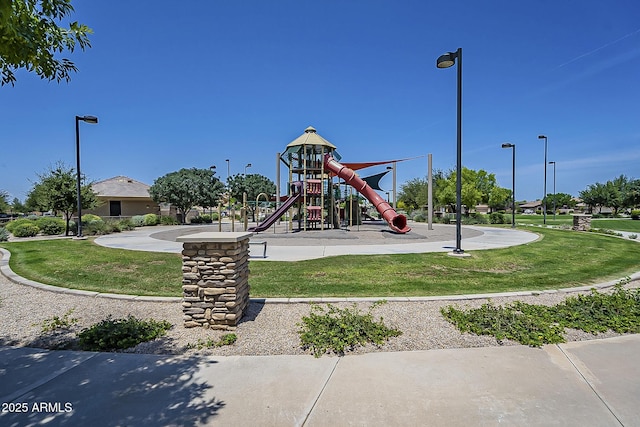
397,222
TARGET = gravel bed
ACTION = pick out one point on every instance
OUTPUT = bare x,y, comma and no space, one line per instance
266,329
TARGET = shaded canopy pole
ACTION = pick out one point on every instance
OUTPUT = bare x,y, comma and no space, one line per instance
445,61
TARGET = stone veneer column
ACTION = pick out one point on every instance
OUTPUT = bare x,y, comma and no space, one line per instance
581,222
215,279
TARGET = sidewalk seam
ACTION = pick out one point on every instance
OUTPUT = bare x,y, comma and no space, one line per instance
44,380
324,386
590,385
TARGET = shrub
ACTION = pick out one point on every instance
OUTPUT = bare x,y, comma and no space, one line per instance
201,219
420,217
4,234
11,225
89,218
496,218
635,214
168,220
119,334
536,325
29,229
340,330
125,224
50,226
138,220
633,236
151,219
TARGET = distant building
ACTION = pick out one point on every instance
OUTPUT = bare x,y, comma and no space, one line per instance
531,207
123,196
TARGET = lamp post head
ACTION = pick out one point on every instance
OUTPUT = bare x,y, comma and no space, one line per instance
447,60
542,137
552,163
508,145
248,165
88,119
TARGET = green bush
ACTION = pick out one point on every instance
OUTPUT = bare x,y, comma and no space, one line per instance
11,225
138,220
535,325
340,330
89,218
201,219
151,219
420,217
125,224
29,229
498,218
168,220
50,226
119,334
635,214
4,234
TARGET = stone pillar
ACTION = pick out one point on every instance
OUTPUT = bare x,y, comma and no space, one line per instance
581,222
215,279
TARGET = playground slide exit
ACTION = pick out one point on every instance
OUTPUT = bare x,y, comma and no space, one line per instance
397,222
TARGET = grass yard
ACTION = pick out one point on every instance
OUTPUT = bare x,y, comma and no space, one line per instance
560,259
618,224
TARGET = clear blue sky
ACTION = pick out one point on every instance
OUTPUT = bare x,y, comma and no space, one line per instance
190,84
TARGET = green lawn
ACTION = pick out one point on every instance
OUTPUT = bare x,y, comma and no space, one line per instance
560,259
619,224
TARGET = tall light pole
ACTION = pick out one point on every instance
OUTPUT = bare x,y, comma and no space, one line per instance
248,165
86,119
445,61
513,183
544,199
213,169
554,189
228,186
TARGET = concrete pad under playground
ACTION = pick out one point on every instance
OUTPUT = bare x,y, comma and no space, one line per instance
316,244
590,383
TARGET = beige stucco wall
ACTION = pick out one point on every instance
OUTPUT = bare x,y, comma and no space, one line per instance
130,207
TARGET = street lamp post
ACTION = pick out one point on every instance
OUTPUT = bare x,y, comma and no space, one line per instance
513,183
248,165
554,189
228,187
212,168
544,199
86,119
445,61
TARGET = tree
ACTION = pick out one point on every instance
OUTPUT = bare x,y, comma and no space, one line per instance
31,37
17,206
477,187
187,188
57,191
414,193
252,184
631,195
562,200
499,198
4,201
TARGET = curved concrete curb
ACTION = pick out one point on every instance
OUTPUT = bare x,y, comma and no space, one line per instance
12,276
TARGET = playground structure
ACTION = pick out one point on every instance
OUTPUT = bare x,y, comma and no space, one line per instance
313,162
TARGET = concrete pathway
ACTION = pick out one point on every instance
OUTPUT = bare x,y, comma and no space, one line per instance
591,383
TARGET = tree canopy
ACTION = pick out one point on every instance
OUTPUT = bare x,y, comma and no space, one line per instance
4,201
31,36
252,184
57,191
187,188
619,193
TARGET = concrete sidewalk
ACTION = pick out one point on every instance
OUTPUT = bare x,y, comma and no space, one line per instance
591,383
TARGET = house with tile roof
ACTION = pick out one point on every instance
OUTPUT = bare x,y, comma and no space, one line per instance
122,196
